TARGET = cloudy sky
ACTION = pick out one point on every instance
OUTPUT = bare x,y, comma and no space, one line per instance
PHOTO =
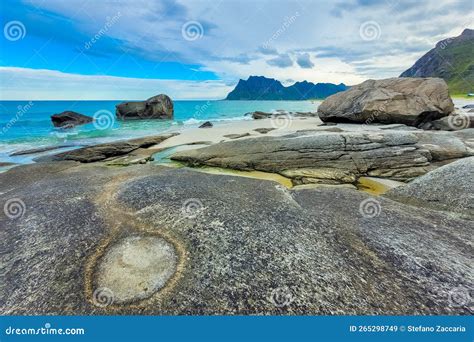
198,49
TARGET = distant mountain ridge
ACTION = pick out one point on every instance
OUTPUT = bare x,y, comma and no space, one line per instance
452,60
263,88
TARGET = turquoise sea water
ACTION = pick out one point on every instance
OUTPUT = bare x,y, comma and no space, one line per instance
27,124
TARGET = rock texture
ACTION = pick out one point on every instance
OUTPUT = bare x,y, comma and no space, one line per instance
258,115
255,248
136,267
156,107
410,101
331,158
108,150
70,119
449,188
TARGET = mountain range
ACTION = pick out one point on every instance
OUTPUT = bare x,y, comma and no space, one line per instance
262,88
451,59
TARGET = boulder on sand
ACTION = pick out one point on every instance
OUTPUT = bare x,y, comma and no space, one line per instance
156,107
69,119
410,101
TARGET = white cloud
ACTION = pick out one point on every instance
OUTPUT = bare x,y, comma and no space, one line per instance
33,84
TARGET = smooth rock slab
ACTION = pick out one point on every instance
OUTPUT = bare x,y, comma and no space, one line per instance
137,267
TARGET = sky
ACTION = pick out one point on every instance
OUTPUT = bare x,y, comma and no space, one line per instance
199,49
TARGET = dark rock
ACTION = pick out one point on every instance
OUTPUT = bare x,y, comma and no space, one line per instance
453,122
409,101
206,124
39,150
70,119
156,107
468,106
328,123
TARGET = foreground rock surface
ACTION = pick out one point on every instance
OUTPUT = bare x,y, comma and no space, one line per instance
449,188
156,107
410,101
70,119
335,157
313,251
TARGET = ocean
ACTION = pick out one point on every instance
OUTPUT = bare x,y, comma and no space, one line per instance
27,124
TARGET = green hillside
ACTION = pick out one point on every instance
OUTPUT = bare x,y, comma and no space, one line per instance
453,60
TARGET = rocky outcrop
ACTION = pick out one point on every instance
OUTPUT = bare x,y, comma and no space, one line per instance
262,88
410,101
70,119
332,158
149,240
108,150
156,107
448,188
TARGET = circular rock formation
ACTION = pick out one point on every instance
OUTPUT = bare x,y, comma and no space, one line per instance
136,267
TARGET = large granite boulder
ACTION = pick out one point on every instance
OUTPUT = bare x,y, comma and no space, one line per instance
69,119
448,188
410,101
156,107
